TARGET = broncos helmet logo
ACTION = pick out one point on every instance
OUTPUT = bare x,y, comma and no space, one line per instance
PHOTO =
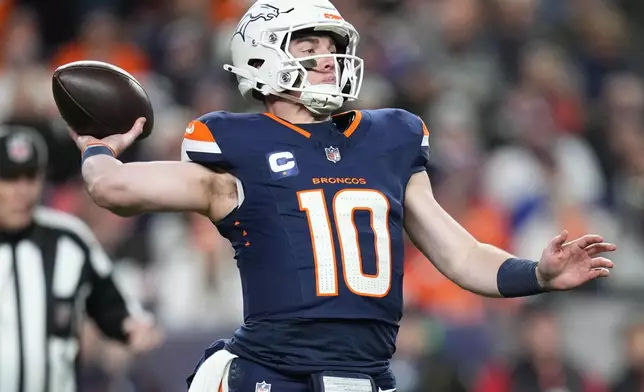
263,11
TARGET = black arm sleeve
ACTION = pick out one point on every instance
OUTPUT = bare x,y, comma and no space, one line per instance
107,307
105,303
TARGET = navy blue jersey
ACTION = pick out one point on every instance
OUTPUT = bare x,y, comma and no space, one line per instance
318,232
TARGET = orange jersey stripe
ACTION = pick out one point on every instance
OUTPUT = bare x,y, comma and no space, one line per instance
425,130
198,131
354,125
288,125
352,128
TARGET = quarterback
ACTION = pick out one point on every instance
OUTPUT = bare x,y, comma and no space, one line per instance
315,206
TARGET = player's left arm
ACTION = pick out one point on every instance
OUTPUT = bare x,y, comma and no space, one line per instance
490,271
483,268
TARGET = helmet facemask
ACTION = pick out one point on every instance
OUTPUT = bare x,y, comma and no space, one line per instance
294,71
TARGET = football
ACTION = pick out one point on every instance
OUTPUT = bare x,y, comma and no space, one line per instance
100,99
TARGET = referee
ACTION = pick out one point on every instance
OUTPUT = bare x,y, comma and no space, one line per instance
52,271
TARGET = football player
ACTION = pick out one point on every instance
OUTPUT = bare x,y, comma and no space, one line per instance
315,206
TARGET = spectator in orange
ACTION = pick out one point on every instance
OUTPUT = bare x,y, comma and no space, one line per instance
99,40
6,11
429,289
225,11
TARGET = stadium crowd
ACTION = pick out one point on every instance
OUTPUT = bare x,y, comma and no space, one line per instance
536,109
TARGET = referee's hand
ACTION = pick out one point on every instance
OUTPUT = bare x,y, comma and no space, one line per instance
142,333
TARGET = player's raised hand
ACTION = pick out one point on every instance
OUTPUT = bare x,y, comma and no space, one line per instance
118,142
566,265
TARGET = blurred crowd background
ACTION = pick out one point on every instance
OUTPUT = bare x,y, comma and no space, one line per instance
536,109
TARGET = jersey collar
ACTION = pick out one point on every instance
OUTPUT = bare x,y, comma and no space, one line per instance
350,129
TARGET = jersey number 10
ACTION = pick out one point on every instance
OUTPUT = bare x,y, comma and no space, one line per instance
345,202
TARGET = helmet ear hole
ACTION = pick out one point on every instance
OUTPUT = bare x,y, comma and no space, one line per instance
256,63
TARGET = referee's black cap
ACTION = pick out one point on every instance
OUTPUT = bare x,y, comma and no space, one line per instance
23,152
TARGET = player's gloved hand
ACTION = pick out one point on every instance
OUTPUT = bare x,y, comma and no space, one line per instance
142,334
566,265
118,142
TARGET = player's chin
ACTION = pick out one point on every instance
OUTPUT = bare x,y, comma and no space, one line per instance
18,220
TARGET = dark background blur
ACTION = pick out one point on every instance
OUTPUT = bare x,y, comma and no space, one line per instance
536,111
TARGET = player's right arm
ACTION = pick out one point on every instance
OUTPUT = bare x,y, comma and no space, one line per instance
133,188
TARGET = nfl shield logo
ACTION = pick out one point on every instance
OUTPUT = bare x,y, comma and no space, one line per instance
333,154
262,387
19,148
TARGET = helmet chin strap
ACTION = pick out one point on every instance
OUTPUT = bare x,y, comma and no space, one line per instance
318,104
319,112
321,101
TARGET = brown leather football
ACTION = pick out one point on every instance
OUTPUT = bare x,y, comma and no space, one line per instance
100,99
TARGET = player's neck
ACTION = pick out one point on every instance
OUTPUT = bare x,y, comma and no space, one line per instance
293,112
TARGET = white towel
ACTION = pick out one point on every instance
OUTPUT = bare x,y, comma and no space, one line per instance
213,373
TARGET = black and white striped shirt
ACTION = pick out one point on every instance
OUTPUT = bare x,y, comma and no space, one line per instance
50,274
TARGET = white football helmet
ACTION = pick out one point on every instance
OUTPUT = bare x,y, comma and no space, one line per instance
263,64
